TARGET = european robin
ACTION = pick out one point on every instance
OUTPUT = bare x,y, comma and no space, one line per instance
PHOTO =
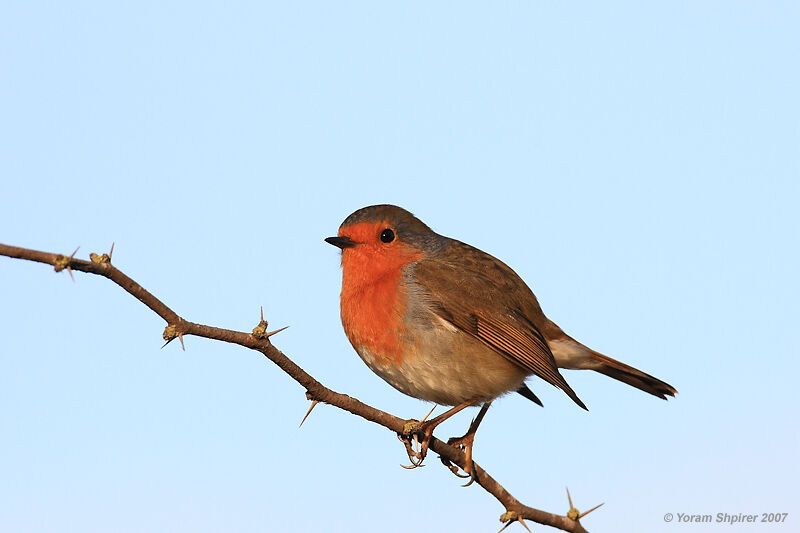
444,322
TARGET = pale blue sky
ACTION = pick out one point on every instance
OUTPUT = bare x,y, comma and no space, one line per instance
636,164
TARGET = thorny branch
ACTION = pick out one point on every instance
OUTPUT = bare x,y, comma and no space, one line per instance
177,327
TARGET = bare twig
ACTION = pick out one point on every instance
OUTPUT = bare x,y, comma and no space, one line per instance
259,340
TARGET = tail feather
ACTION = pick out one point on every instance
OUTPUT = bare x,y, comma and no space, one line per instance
632,376
569,353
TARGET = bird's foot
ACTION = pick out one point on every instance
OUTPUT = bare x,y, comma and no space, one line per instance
416,437
412,430
421,432
464,444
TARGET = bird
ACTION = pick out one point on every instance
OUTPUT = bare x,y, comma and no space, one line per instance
447,323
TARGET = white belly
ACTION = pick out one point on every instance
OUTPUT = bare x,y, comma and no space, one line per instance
448,367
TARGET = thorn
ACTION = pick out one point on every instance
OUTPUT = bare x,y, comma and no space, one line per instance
105,258
573,513
61,262
271,333
424,418
313,405
69,268
509,517
171,333
260,331
67,263
505,526
576,515
590,510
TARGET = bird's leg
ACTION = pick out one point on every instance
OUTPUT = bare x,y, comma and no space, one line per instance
422,432
465,443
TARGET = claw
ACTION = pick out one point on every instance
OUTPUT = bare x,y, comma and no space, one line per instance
414,464
412,430
413,455
453,468
465,443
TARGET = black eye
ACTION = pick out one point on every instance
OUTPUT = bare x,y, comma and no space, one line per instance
387,235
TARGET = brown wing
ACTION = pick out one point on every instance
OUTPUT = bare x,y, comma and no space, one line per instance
485,298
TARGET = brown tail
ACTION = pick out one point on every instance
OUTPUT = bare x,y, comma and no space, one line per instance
569,353
627,374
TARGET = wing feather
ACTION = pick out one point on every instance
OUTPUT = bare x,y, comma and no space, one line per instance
493,310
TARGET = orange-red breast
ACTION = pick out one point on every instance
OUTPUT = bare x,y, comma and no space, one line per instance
445,322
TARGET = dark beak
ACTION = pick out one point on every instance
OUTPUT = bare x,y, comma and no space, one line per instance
341,242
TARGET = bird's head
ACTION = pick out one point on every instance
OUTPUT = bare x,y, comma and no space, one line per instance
380,239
